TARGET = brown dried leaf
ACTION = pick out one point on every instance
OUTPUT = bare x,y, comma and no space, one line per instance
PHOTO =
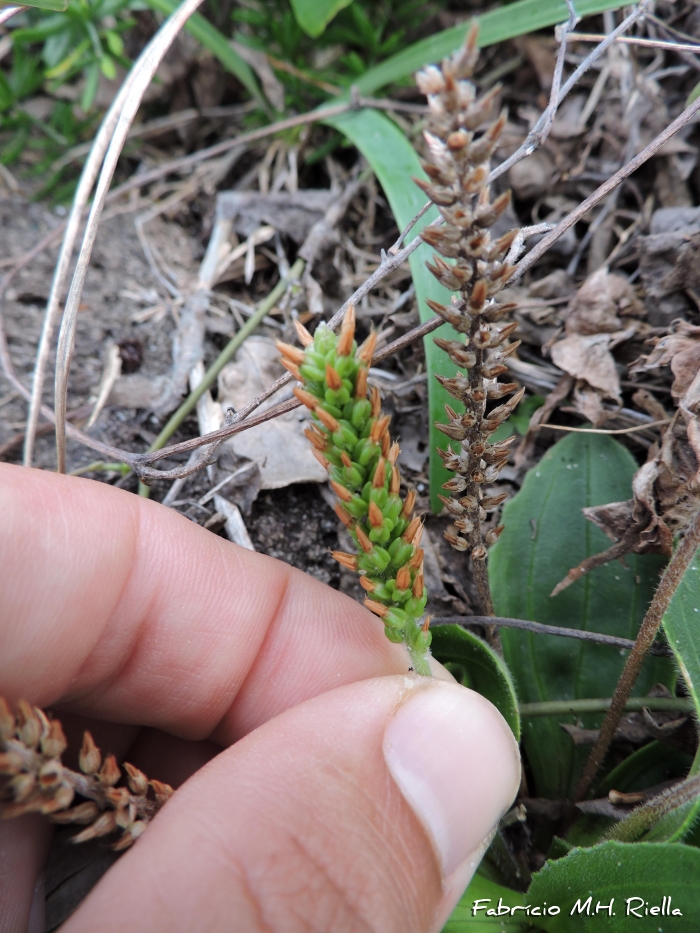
588,358
681,351
600,302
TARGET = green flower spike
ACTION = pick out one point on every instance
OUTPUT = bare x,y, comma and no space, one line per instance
350,437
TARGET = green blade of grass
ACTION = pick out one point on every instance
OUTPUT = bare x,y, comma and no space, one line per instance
214,40
395,163
507,22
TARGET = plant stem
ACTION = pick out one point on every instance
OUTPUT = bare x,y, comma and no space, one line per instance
673,574
600,705
222,359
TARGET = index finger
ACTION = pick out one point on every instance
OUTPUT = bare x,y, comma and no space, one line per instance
118,607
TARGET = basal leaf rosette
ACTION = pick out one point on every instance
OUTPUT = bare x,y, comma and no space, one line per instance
350,437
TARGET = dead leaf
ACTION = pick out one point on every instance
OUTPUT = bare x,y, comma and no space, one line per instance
588,358
293,214
681,351
600,302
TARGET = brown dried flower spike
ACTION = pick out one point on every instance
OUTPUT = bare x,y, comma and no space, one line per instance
458,168
33,779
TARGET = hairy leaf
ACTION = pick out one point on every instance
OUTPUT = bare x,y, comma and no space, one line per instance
634,877
545,535
314,15
682,626
485,671
395,164
465,919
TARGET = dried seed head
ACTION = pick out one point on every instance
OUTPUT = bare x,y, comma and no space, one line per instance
385,444
417,588
452,505
130,836
54,744
492,502
306,398
375,401
162,791
90,758
395,481
377,608
469,502
22,785
361,383
325,463
29,724
50,774
345,517
341,492
109,772
347,333
464,524
409,504
394,452
379,428
137,780
11,762
459,544
375,515
292,368
345,459
479,553
82,814
316,438
455,484
403,578
104,824
60,799
293,354
333,380
379,477
304,336
366,351
416,562
367,584
494,534
363,540
416,539
326,419
426,625
413,527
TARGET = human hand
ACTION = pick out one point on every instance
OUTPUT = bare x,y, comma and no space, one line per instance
323,788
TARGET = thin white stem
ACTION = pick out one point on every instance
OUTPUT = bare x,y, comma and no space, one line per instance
142,72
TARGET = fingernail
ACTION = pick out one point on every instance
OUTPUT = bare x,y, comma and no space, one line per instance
456,763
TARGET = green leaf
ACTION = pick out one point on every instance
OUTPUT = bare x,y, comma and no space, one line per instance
651,764
485,671
395,163
314,15
693,96
682,626
613,871
218,45
465,919
60,6
545,535
507,22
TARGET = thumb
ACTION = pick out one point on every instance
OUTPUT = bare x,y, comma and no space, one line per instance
364,809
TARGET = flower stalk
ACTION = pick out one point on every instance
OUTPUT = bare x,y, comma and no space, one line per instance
458,168
350,438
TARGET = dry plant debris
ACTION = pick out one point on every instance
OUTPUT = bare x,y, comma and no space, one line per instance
33,779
